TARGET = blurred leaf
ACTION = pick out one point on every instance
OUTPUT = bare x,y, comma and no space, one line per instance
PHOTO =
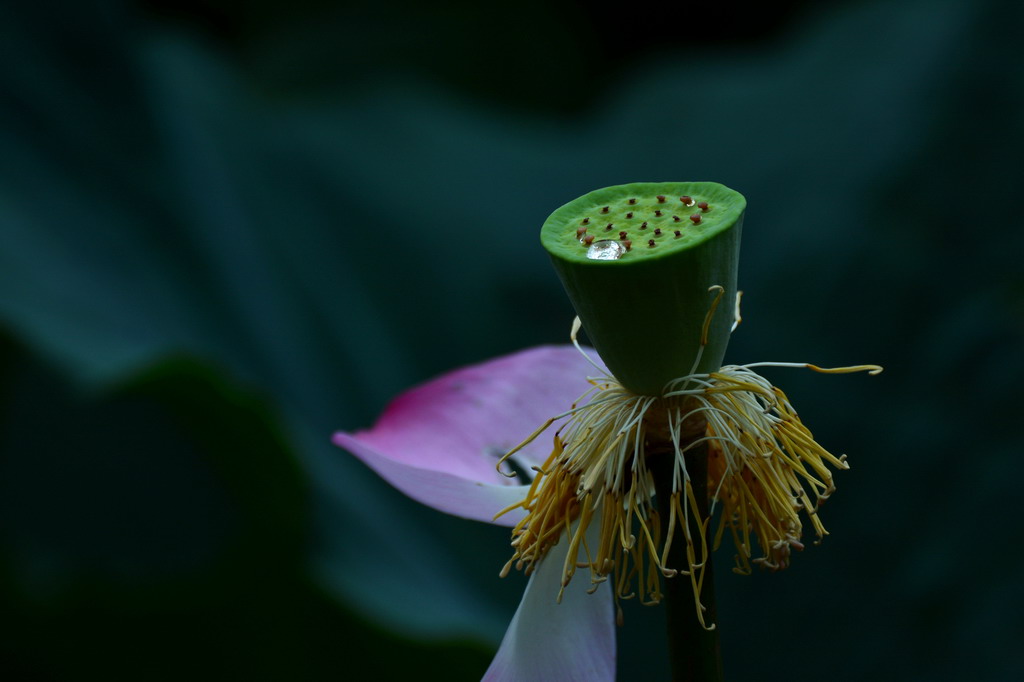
184,262
174,550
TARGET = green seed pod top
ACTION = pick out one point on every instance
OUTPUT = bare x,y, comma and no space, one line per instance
637,262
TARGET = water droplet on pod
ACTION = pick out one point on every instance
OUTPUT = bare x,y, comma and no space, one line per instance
606,249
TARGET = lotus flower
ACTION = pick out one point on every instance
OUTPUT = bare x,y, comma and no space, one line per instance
640,459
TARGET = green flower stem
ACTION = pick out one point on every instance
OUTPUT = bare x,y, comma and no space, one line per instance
694,653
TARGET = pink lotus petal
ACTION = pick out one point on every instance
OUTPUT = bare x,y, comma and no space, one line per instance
571,642
439,443
440,490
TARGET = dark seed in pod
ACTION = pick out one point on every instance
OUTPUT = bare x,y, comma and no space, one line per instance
695,218
661,198
650,242
703,205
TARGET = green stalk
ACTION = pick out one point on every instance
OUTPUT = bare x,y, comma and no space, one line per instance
694,653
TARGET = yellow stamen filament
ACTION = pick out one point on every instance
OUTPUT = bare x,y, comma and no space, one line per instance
764,468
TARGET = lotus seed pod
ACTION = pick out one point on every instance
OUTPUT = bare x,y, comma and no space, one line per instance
641,290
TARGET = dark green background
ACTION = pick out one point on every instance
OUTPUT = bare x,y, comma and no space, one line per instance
228,228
